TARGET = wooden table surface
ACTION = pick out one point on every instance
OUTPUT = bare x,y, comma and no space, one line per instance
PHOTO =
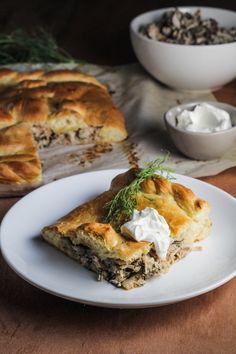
32,321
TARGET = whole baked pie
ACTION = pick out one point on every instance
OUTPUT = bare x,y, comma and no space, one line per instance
58,107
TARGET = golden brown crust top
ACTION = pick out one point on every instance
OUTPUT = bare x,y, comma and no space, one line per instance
19,161
60,101
9,77
38,97
176,203
108,242
21,172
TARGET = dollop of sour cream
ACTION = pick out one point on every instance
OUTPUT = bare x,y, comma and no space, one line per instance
204,118
149,225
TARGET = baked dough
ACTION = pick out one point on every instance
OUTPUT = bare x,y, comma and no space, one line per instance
19,161
60,107
9,77
82,236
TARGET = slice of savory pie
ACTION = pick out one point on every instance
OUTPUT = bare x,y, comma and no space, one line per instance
62,107
19,160
91,233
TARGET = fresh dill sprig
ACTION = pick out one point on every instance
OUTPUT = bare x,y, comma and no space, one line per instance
121,207
39,46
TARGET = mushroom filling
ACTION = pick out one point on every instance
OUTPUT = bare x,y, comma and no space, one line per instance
45,136
125,274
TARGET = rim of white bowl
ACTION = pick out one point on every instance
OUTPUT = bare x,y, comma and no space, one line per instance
190,104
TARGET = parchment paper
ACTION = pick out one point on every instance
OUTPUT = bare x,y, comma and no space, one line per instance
143,101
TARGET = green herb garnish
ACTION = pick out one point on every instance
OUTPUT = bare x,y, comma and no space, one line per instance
37,47
121,207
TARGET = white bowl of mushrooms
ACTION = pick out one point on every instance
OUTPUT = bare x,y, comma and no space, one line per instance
189,48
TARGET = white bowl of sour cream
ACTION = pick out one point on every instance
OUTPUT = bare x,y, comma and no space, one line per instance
202,130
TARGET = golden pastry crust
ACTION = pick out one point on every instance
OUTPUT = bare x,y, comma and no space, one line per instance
19,161
61,107
186,215
9,77
52,98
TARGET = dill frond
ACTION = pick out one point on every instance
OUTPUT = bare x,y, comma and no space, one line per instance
39,46
121,207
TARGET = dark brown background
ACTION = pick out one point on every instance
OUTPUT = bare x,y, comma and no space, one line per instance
91,30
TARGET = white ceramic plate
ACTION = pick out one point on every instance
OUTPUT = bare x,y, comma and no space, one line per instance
50,270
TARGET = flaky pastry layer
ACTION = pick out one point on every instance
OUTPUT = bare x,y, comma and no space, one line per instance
63,101
19,160
186,214
60,107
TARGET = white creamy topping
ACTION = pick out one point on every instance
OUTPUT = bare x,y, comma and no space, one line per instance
149,225
204,118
